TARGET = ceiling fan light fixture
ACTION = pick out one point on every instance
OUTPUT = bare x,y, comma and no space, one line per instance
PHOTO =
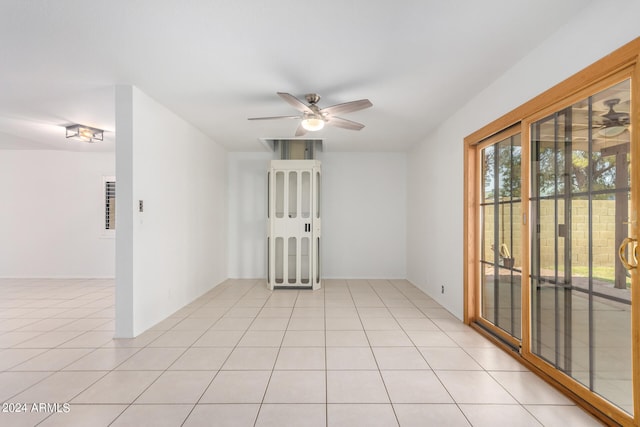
312,124
84,133
611,131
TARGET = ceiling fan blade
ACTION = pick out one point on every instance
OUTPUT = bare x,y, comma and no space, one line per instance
295,102
274,117
347,107
300,131
344,123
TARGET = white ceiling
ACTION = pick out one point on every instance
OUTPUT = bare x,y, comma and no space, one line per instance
218,62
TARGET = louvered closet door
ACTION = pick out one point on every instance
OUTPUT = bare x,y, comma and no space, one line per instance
291,229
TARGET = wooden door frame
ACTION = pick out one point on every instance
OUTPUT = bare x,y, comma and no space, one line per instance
625,60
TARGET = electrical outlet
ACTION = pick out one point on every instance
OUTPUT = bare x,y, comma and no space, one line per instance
443,289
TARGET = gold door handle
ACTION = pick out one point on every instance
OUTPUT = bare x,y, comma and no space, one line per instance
621,255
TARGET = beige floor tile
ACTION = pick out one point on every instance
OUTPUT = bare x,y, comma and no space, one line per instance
12,383
346,339
408,312
67,326
151,359
304,339
306,324
355,387
421,325
250,312
86,324
350,358
485,389
52,360
388,339
10,339
434,414
232,324
452,325
202,359
153,416
374,312
91,339
296,387
494,359
84,415
237,387
59,387
344,324
349,311
415,387
449,358
528,388
141,340
173,338
225,415
399,358
177,387
380,324
470,338
118,387
369,415
45,325
251,358
431,339
299,415
215,338
261,339
270,324
12,357
562,416
167,323
308,358
49,339
308,312
102,359
22,419
495,415
270,312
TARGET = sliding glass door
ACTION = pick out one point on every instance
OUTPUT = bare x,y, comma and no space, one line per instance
580,219
500,252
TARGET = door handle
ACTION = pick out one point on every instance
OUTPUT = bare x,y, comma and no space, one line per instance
621,253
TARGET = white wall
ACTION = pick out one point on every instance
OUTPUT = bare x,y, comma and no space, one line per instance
247,197
175,250
364,212
52,214
363,205
435,167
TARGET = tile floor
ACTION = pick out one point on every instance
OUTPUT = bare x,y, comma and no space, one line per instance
355,353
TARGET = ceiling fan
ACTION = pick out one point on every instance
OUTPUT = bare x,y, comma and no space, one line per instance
314,118
613,122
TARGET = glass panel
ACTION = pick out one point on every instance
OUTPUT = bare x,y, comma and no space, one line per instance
279,194
488,191
293,194
501,236
304,260
581,322
306,194
292,260
279,261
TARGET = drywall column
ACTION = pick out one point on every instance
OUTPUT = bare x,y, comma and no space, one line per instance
174,249
124,209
